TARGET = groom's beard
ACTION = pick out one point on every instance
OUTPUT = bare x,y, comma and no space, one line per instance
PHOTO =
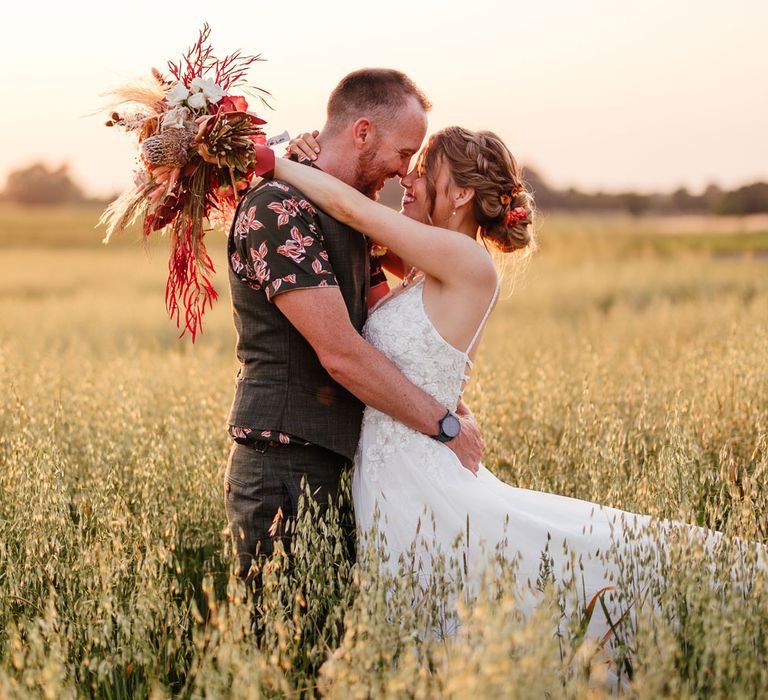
369,179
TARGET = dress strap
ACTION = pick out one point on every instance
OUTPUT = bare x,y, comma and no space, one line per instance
482,323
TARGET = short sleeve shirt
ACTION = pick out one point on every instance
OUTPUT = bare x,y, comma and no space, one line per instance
278,243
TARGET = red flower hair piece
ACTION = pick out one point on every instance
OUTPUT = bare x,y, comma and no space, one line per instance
515,216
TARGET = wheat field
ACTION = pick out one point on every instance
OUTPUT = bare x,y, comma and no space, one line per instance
627,365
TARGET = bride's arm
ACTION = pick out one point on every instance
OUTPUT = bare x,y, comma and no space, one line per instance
438,252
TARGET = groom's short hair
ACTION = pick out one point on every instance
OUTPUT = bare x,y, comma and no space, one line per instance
375,92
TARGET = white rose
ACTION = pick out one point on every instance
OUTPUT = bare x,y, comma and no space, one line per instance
212,90
177,94
175,118
196,100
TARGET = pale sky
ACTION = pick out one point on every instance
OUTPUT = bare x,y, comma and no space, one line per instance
594,94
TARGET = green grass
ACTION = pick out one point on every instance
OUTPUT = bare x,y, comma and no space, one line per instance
629,367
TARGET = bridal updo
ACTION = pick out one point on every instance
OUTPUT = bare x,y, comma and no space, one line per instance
479,160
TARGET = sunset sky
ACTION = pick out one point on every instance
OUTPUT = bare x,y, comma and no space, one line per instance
594,94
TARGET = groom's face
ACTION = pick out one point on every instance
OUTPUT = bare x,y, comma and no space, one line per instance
391,150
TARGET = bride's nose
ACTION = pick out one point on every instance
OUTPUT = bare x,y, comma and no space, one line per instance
407,179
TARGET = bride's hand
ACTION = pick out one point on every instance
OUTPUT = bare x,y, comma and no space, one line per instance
305,146
468,444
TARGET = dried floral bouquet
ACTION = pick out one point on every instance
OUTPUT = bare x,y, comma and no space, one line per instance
196,143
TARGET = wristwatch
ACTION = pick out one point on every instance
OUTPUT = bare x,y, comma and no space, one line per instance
450,427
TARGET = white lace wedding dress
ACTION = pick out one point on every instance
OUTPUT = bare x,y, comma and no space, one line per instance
405,482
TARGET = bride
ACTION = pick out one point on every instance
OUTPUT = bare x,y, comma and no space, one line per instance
464,196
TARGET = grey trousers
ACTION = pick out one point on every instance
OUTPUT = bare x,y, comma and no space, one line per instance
259,482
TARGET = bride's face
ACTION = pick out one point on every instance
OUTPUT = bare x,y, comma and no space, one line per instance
416,203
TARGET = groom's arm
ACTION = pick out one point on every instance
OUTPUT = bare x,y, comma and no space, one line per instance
321,316
278,250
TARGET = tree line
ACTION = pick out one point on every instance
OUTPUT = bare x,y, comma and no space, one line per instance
748,199
39,185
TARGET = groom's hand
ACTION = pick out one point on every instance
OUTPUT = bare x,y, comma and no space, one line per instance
468,444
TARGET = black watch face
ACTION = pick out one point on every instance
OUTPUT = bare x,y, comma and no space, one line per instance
451,426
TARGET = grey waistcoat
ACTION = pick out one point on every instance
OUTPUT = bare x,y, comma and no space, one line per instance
281,384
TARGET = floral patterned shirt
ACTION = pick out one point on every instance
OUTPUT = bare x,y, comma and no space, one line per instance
279,247
249,435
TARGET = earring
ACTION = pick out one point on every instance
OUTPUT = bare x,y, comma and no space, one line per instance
453,213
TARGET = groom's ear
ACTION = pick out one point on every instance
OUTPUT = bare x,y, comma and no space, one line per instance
362,132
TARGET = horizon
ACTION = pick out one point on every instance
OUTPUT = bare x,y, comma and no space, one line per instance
596,97
100,198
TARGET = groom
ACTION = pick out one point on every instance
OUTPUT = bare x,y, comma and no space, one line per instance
299,281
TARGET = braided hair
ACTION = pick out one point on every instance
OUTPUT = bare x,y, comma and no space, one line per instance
479,160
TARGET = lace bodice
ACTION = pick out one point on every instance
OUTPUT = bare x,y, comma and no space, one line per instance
401,329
